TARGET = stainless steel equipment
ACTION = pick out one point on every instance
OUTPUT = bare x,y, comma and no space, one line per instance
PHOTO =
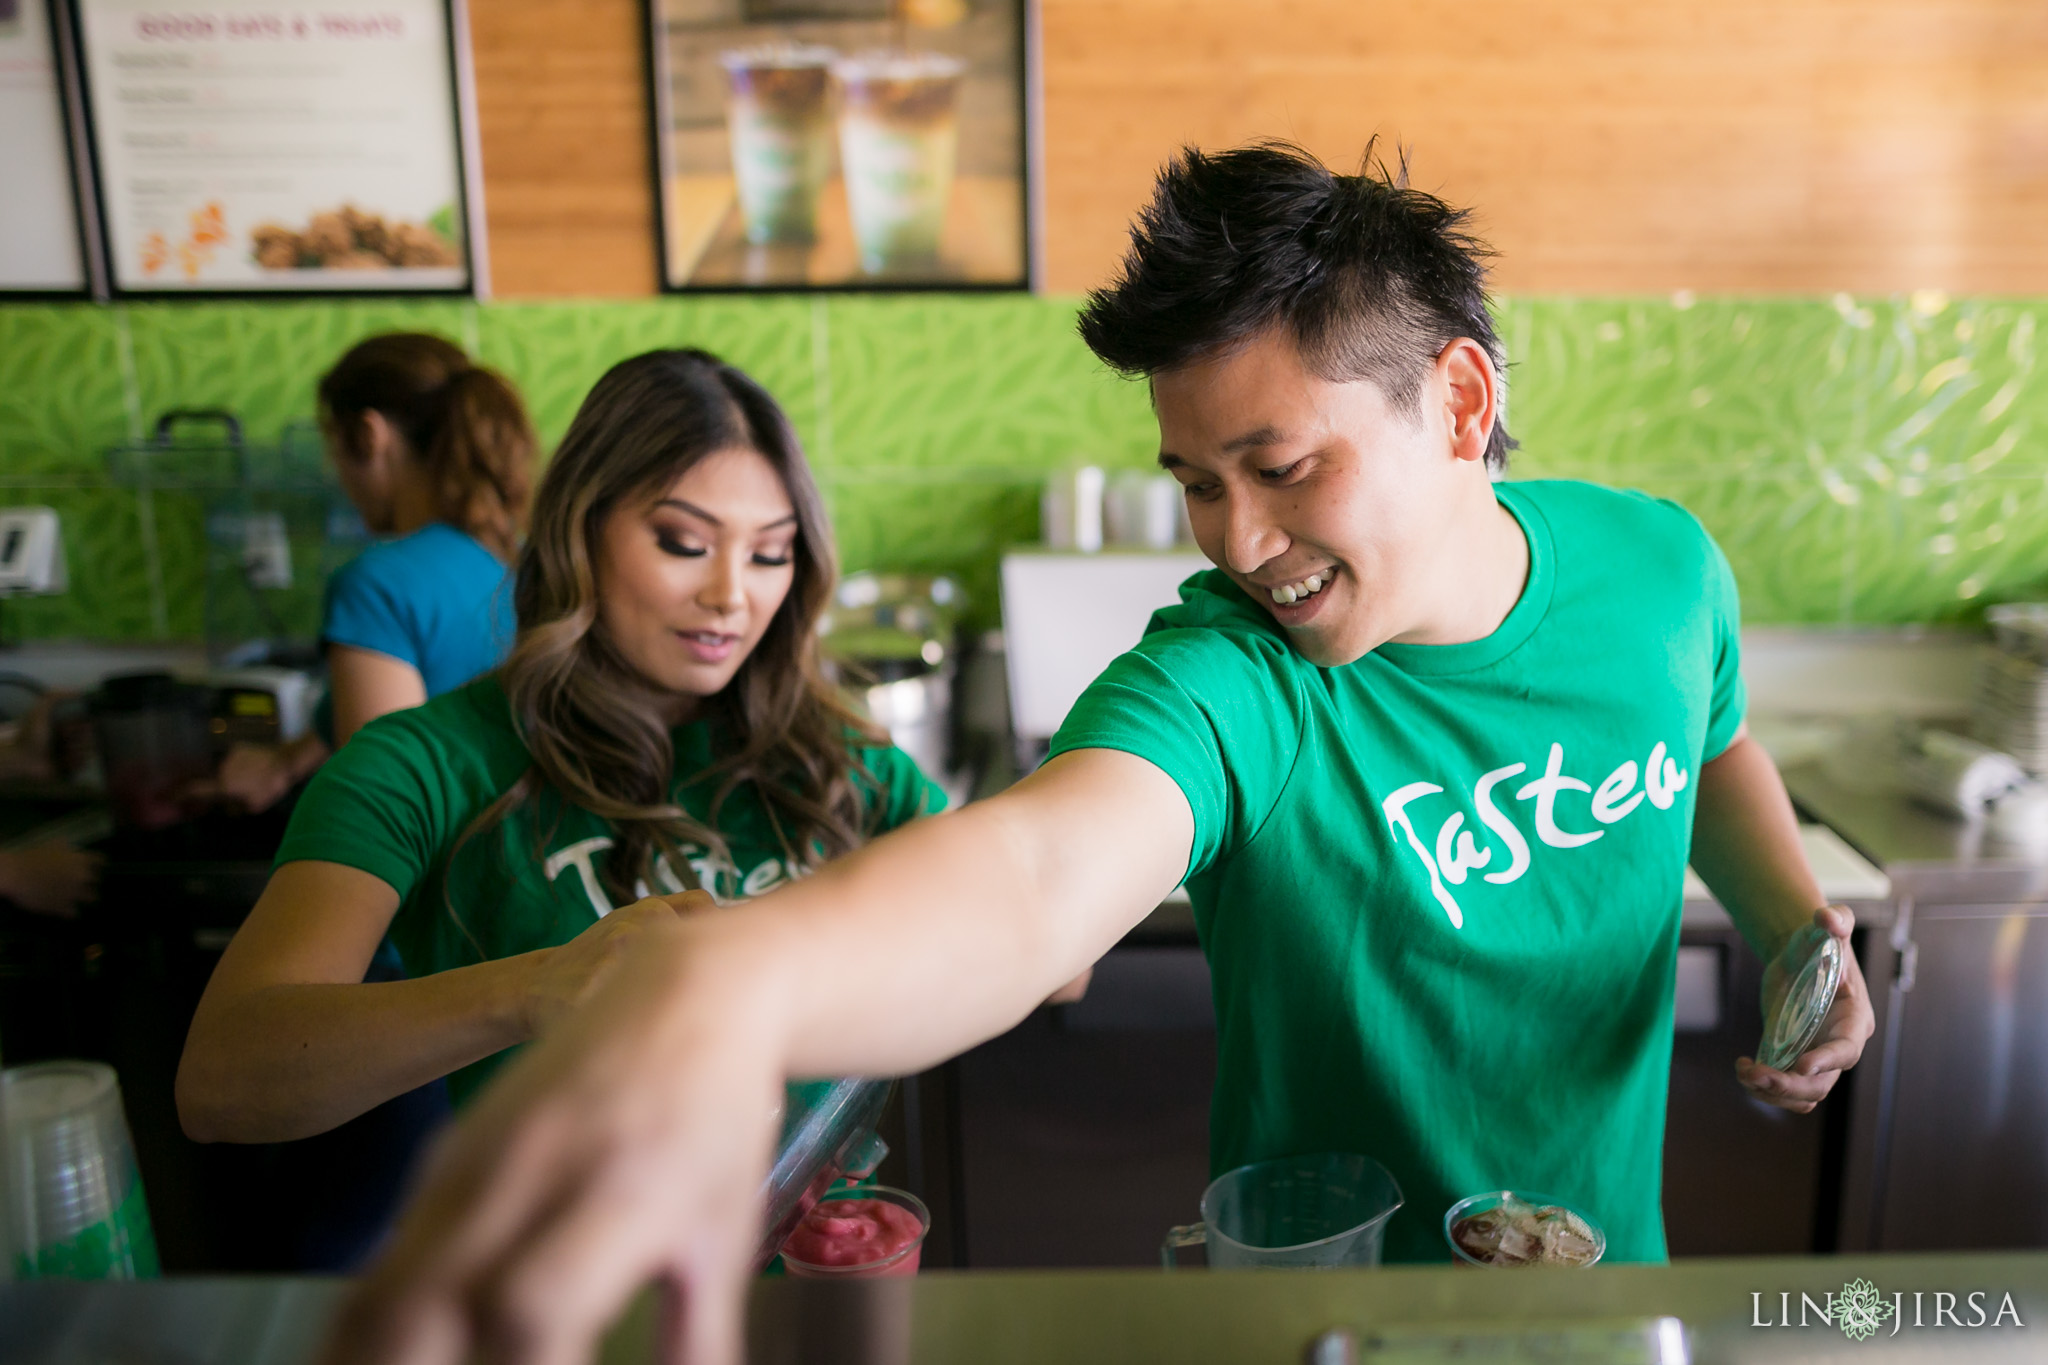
1957,1155
890,642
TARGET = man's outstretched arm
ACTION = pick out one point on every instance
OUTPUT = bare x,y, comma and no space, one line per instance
630,1143
1745,846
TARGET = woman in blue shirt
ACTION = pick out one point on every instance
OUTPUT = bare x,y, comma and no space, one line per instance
437,454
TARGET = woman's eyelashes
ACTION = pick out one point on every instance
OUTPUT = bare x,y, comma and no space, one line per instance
682,549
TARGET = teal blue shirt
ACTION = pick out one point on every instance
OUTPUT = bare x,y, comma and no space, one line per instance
435,599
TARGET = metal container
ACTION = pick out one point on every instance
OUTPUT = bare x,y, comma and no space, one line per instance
890,643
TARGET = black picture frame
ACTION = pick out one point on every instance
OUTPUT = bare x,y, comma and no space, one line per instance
77,155
461,128
1030,175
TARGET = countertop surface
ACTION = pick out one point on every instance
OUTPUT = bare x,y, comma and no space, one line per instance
1929,857
1407,1314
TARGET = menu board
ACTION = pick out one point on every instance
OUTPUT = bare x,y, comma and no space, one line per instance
277,145
39,240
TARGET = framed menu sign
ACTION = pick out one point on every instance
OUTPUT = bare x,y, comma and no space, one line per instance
278,146
841,143
41,249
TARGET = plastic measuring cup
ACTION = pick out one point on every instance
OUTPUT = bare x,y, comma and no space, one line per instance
1318,1211
74,1197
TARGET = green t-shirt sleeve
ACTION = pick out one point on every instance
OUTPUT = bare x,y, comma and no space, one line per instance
1213,710
1730,699
903,793
381,804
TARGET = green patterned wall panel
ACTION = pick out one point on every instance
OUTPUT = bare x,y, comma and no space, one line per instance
1920,419
61,389
944,385
104,549
261,361
1867,461
555,352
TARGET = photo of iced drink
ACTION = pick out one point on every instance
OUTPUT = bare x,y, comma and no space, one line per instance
899,129
779,116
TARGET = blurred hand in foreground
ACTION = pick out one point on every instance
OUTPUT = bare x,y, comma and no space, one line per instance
626,1147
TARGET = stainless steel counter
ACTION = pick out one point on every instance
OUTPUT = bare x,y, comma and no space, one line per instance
1190,1317
1930,857
1958,1122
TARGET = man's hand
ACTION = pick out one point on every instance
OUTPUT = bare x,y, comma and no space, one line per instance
565,976
627,1147
1843,1033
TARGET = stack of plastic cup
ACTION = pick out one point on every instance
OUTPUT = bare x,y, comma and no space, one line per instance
74,1198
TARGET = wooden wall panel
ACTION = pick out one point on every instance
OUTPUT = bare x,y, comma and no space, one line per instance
563,118
1607,145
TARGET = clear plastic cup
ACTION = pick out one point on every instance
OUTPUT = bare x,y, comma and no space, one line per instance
1303,1212
899,134
1476,1204
74,1197
779,118
902,1261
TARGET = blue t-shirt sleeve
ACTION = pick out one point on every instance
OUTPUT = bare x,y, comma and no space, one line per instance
1213,711
365,609
1730,699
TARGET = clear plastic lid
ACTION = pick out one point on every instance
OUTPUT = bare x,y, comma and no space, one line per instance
828,1131
1793,1028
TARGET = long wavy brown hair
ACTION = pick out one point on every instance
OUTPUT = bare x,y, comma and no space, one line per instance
595,725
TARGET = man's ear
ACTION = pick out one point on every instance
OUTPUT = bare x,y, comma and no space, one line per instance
1471,395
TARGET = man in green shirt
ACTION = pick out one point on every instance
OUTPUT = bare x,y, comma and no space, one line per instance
1430,750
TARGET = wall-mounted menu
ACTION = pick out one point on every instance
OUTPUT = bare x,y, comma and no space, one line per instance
39,245
277,145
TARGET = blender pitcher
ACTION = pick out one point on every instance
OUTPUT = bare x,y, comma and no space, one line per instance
1320,1211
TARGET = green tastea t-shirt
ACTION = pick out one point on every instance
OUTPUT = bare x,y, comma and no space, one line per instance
1439,887
396,799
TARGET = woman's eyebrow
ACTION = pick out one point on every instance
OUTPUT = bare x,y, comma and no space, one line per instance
694,510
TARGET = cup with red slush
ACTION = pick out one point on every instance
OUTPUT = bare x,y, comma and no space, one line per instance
858,1233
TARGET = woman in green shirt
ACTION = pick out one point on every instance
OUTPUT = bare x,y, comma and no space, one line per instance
662,724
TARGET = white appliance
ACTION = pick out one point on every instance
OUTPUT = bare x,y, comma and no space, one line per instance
31,552
1067,614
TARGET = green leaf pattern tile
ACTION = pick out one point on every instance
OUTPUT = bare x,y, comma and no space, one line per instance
1860,460
556,352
